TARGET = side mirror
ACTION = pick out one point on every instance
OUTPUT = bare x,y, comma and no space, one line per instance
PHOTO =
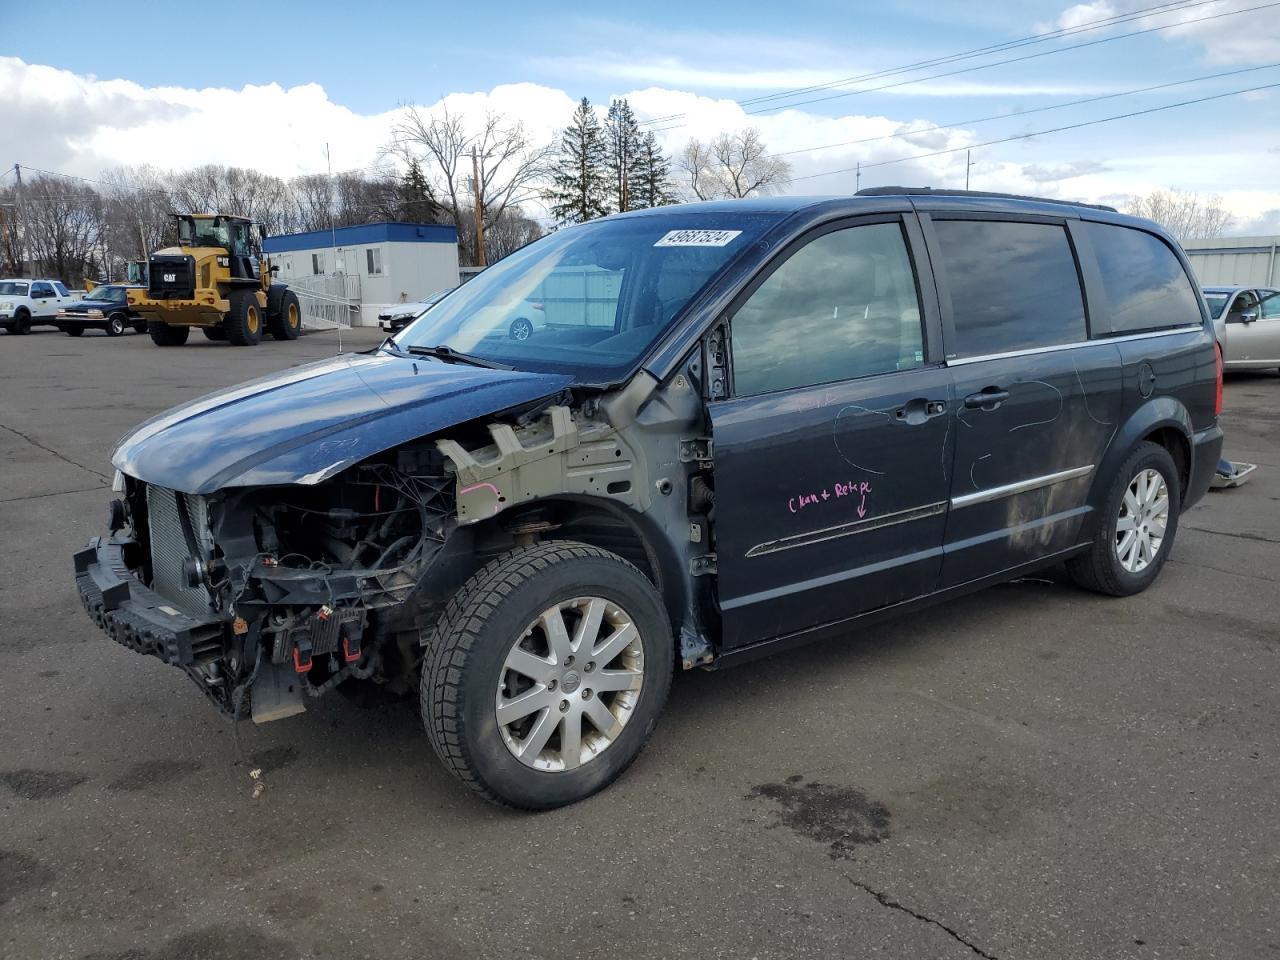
274,269
1249,317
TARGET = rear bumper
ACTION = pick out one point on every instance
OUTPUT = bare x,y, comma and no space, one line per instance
136,617
1206,451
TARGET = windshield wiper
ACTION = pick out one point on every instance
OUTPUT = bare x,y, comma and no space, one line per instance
450,355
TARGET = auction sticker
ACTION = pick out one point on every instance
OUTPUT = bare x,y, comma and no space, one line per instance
697,238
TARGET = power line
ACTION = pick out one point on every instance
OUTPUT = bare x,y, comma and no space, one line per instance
1085,27
999,63
951,125
1041,133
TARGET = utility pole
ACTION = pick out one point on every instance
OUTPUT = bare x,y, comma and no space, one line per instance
20,219
968,163
858,182
475,183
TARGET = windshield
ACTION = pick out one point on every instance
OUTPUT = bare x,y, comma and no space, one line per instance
203,232
588,300
109,294
8,287
1216,302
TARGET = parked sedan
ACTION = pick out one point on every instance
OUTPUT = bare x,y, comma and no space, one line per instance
399,315
106,308
1247,322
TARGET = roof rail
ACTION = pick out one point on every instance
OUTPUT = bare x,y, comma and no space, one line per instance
931,192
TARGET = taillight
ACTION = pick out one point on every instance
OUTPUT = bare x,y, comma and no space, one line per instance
1217,356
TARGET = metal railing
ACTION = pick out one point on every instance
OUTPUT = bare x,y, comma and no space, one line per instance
328,299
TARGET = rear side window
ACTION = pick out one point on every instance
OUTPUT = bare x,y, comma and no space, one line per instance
41,290
1144,281
842,306
1014,286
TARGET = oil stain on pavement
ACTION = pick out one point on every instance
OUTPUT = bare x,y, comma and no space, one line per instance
153,773
20,873
841,817
224,942
41,784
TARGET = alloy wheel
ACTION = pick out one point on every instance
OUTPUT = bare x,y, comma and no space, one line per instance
1144,516
569,684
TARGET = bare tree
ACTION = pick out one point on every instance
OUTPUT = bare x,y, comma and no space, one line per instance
732,166
61,227
237,191
510,165
508,233
1185,215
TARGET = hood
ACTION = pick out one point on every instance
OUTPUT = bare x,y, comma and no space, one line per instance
88,303
306,424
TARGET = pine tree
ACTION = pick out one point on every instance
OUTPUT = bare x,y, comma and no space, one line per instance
416,201
622,134
578,186
653,176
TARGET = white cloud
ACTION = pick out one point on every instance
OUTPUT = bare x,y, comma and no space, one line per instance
1078,15
81,125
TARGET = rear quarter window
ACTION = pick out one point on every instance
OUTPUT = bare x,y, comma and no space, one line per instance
1144,281
1013,285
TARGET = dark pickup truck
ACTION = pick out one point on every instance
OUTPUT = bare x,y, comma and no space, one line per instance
105,308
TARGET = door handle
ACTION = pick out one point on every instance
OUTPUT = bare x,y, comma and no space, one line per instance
920,409
988,398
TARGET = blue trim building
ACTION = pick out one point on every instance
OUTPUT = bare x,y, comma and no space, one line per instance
363,268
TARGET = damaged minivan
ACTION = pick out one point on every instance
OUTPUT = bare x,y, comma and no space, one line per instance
737,427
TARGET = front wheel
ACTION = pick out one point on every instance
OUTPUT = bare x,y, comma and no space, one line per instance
21,324
1136,531
244,323
545,676
163,335
115,327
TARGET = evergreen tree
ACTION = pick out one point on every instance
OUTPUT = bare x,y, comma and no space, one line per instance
622,134
416,201
653,176
578,186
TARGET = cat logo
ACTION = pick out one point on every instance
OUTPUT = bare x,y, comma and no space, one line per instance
170,278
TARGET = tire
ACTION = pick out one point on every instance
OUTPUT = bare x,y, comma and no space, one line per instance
21,323
465,672
217,334
163,335
73,331
140,327
244,321
287,324
1103,569
115,326
520,329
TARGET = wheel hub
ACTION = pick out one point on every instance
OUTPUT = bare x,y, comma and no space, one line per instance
569,684
1144,516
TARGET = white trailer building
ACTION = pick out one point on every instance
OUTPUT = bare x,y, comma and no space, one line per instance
1235,261
370,265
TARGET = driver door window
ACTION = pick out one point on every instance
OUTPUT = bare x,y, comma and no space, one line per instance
842,307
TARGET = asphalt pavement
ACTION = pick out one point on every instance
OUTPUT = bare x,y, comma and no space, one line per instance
1032,772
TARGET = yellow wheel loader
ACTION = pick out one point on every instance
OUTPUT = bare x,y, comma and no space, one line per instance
218,280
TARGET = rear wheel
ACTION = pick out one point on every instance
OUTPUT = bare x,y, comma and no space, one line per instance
545,676
244,321
287,324
1137,528
163,335
520,329
115,326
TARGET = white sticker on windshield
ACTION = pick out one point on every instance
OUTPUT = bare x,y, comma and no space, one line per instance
697,238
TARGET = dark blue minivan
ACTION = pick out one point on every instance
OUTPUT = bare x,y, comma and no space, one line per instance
741,426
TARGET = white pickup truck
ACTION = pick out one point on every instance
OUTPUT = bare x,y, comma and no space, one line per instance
28,303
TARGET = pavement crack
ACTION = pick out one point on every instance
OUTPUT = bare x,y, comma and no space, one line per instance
886,901
59,493
1239,536
49,450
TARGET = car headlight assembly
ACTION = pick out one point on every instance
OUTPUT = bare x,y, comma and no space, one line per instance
94,314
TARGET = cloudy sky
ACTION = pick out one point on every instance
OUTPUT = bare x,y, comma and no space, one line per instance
80,92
